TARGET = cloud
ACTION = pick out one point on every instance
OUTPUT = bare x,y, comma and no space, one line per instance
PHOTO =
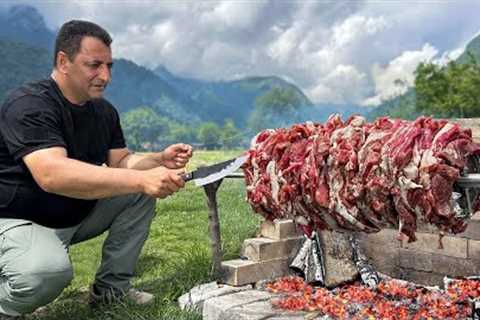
395,78
343,51
334,86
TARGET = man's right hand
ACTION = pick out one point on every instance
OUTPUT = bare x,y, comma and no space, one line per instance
161,182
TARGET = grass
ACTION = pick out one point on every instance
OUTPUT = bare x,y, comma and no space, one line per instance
176,256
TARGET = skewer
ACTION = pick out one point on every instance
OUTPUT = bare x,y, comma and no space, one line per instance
471,180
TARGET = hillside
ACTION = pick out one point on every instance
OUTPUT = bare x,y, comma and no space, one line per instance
181,99
21,63
226,99
473,48
403,105
22,23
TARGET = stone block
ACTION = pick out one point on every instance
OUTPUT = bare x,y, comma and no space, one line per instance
474,250
339,265
260,249
195,298
249,305
422,277
428,242
382,255
279,229
455,267
412,259
220,308
385,238
257,310
473,229
241,272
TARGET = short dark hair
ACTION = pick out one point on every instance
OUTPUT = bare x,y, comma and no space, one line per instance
70,35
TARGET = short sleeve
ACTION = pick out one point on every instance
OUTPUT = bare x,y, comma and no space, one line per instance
28,124
118,140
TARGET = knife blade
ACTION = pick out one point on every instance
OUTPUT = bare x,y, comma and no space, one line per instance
206,175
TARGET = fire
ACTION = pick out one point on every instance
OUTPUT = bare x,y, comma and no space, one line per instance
391,300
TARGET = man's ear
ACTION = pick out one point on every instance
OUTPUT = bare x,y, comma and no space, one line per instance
62,62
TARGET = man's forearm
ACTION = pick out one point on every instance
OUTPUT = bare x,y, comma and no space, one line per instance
142,161
76,179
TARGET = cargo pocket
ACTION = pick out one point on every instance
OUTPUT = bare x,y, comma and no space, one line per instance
17,239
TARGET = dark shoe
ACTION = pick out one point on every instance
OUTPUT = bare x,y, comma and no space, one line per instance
108,297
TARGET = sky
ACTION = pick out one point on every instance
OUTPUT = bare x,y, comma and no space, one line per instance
337,52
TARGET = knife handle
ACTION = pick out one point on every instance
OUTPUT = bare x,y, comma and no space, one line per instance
187,176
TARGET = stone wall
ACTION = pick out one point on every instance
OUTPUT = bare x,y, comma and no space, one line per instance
423,261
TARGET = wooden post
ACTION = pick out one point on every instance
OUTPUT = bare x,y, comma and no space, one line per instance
214,226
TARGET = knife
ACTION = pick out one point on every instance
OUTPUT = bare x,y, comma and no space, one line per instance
206,175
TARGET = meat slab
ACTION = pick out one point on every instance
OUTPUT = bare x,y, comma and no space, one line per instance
360,176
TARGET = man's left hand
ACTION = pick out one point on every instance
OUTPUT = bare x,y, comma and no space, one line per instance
177,155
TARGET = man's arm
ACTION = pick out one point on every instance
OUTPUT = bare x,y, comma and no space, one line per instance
123,158
56,173
175,156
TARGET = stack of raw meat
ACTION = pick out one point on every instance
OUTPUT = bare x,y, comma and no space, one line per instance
360,176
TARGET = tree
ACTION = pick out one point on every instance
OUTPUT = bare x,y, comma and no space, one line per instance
450,91
209,134
183,133
142,127
276,108
230,135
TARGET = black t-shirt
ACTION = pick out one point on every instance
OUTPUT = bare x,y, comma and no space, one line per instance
37,116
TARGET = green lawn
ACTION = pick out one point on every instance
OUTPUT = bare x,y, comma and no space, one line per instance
176,256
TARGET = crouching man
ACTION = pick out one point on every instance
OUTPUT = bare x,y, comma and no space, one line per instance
66,176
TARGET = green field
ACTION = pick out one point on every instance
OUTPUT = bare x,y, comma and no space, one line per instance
176,256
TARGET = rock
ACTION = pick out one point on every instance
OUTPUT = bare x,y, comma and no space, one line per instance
195,298
339,265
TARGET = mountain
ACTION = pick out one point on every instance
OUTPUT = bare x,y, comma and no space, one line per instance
21,63
402,106
220,100
23,23
133,86
180,99
473,47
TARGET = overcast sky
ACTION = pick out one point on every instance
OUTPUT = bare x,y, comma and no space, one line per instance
335,51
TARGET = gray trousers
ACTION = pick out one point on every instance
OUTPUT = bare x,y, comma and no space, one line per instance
34,263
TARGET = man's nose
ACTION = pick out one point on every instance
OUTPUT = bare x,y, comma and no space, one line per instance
105,74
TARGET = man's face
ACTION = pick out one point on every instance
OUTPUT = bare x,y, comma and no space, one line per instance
90,71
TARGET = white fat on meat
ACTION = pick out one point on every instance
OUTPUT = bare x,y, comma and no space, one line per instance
440,133
273,180
411,169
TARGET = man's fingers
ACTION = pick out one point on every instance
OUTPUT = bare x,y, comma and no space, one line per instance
177,177
185,148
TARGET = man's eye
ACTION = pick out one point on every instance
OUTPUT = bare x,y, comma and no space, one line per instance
94,65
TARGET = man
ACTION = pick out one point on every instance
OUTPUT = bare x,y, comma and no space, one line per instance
66,176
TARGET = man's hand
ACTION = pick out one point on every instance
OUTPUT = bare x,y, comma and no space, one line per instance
161,182
176,156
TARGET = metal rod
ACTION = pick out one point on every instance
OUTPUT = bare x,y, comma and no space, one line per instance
471,180
235,175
